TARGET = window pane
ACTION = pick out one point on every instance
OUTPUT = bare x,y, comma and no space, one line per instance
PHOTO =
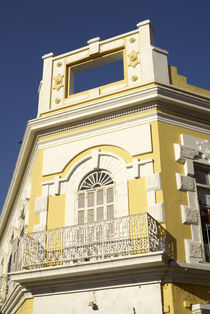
81,200
110,211
110,195
90,215
100,197
90,199
100,213
202,175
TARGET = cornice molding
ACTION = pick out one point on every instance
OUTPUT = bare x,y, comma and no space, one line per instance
117,271
16,298
127,271
165,93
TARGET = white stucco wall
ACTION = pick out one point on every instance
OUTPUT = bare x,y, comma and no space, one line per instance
144,299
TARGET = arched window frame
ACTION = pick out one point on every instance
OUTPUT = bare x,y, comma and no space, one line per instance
96,197
111,163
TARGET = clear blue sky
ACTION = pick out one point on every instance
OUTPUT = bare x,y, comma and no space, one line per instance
29,29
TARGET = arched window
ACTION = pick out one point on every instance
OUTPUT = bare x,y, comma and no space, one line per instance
95,198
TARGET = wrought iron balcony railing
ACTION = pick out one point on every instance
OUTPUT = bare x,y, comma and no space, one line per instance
100,240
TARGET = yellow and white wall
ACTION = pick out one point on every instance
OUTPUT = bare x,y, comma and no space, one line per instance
147,130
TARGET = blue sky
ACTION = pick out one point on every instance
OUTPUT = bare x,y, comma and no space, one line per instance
30,29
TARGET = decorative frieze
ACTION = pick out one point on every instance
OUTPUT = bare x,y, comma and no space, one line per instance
196,249
185,183
183,152
189,215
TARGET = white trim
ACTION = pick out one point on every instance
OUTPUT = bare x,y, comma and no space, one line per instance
200,308
187,153
100,42
100,130
153,182
157,212
135,140
107,161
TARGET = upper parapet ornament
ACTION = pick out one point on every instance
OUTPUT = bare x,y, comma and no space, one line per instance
133,59
58,82
139,64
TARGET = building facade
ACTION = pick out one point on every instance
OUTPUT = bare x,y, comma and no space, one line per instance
108,207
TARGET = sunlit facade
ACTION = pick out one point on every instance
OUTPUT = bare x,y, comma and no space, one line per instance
108,207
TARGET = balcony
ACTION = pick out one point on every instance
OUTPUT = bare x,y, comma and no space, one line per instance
107,239
137,239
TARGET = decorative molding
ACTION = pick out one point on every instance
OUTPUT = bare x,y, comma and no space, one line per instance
140,168
93,45
107,161
189,167
58,82
183,152
133,58
136,168
95,158
204,147
162,117
153,182
189,215
185,183
22,211
132,40
134,78
194,251
60,151
56,185
57,101
108,117
41,204
200,308
28,191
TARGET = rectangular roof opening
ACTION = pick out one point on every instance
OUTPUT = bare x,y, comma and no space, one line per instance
96,73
